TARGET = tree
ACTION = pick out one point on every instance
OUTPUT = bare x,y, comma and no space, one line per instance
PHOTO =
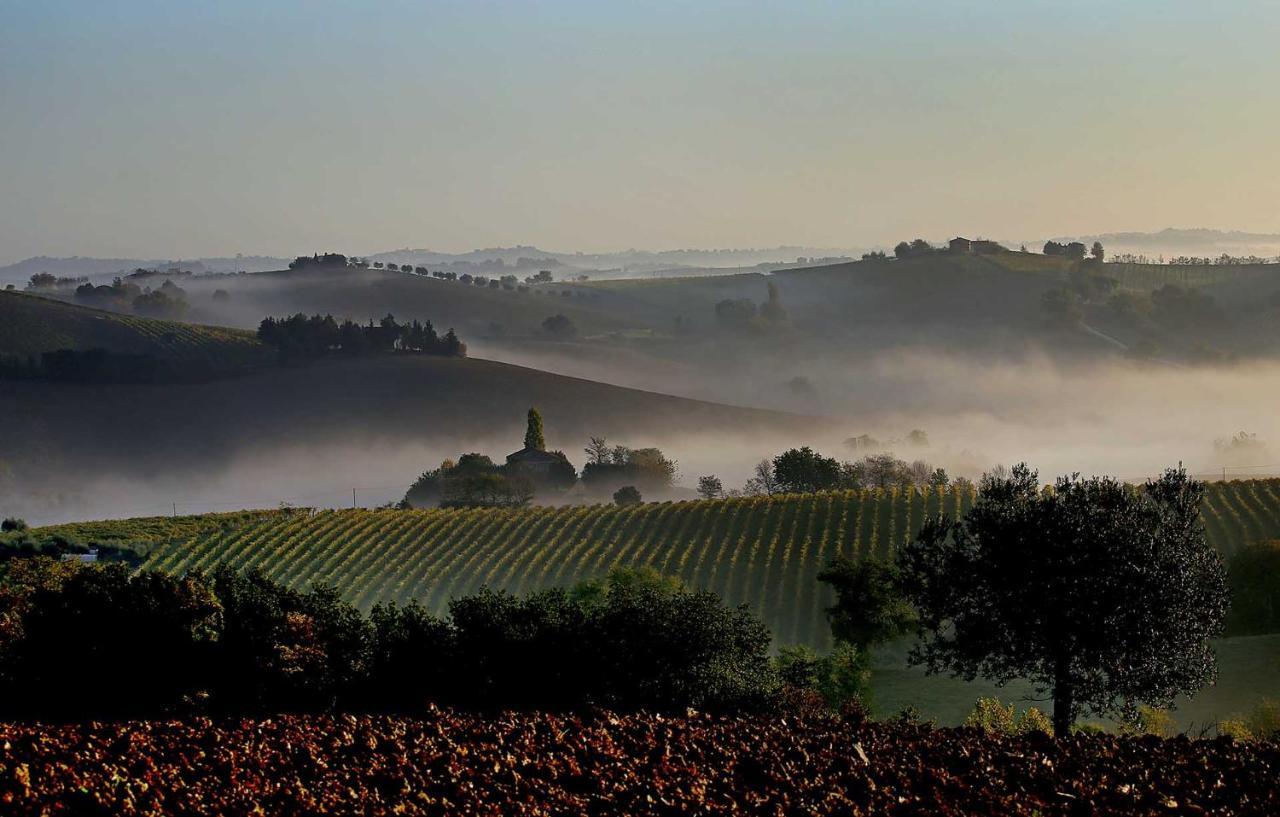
487,490
710,487
870,608
840,678
1096,251
12,523
533,432
597,451
559,327
772,310
452,346
1104,594
762,481
626,495
650,468
917,248
144,641
803,470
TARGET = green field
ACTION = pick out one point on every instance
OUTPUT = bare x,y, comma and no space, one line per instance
30,326
1248,673
760,551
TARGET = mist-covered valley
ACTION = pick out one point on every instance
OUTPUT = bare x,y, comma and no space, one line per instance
960,347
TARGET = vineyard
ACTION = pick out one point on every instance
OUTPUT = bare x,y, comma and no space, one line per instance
760,551
30,326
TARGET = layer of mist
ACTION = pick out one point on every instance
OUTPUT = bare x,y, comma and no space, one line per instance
1119,418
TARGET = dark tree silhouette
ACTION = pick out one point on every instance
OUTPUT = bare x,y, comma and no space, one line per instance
533,432
1104,594
626,495
803,470
560,327
869,608
710,487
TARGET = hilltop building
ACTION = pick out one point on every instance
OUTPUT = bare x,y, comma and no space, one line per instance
533,459
978,245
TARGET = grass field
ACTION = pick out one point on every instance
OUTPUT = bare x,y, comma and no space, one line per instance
1248,672
30,326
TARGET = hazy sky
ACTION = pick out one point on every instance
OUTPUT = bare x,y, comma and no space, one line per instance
182,129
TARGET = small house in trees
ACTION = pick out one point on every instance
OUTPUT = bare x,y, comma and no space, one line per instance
532,461
977,245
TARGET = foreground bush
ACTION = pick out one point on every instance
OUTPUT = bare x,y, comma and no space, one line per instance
990,715
605,764
85,642
1262,724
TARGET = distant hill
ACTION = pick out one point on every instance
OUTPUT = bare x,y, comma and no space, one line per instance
1172,242
21,272
30,326
521,260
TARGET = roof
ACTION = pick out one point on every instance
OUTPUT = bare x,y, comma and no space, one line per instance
531,455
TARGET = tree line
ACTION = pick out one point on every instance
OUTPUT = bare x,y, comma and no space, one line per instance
302,336
102,642
804,471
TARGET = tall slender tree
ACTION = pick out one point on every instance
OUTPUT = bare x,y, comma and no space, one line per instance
533,433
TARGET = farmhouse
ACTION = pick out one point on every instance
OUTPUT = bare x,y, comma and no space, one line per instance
977,245
532,460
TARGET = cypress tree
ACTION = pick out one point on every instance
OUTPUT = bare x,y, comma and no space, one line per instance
533,434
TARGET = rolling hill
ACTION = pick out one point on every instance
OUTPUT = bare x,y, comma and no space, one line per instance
30,326
760,551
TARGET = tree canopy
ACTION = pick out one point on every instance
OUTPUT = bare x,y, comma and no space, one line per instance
1103,593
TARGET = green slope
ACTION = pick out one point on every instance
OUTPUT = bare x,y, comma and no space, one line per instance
760,551
30,326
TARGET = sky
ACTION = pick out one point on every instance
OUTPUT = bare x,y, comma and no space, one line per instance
163,129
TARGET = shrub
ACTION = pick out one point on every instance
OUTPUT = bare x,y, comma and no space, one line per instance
1150,720
100,641
91,641
840,679
627,495
991,715
12,523
1033,720
1262,724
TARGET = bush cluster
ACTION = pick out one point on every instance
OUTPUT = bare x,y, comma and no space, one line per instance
97,642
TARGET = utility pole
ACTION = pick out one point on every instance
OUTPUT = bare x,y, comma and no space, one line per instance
353,497
175,510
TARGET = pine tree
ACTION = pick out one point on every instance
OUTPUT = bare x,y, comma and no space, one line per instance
533,434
